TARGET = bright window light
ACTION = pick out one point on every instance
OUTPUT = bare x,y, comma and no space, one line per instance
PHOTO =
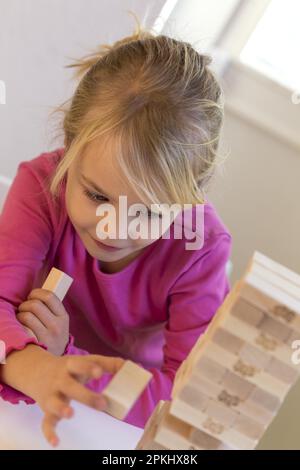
274,46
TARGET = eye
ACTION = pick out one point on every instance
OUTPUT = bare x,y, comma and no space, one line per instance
94,196
153,214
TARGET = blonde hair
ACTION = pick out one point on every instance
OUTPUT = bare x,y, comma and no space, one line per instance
158,101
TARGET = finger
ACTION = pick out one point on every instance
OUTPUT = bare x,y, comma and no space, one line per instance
76,391
85,365
41,311
58,405
48,427
84,368
29,320
49,299
108,364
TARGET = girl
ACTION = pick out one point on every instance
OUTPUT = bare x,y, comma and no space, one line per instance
144,123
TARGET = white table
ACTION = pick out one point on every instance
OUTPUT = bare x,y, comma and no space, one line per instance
20,428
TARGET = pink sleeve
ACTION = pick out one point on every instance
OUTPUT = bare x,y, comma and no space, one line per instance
26,231
193,300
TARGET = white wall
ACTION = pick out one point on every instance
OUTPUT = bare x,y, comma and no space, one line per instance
258,191
36,39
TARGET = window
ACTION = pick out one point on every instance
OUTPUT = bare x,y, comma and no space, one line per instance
273,47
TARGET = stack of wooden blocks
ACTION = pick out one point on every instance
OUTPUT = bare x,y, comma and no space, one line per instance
236,377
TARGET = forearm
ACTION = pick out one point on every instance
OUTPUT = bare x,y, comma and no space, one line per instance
22,368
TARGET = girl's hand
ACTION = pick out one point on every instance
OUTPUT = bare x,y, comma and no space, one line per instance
44,314
58,380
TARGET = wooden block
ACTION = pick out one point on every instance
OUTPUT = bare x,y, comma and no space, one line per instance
200,383
204,366
272,291
252,373
185,412
264,341
206,441
250,428
228,341
237,386
200,420
282,372
125,388
57,282
210,369
255,411
173,433
193,396
233,391
247,312
189,405
269,305
295,323
295,335
153,445
254,356
277,268
276,280
147,440
180,377
221,413
275,328
238,440
266,399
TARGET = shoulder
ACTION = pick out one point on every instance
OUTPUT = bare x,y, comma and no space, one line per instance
205,241
213,223
32,184
202,223
43,165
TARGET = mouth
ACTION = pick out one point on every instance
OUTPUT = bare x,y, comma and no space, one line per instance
105,247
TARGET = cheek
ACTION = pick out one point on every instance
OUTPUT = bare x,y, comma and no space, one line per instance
149,230
78,208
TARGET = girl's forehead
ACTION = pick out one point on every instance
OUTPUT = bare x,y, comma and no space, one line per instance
98,156
99,164
102,150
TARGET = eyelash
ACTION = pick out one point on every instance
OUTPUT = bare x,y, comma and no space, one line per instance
93,197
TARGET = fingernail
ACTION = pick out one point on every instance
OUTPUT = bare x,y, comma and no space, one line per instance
54,441
67,412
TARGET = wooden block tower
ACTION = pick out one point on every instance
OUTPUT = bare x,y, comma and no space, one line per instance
236,377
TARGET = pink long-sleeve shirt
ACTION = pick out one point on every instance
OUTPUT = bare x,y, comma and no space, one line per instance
152,311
